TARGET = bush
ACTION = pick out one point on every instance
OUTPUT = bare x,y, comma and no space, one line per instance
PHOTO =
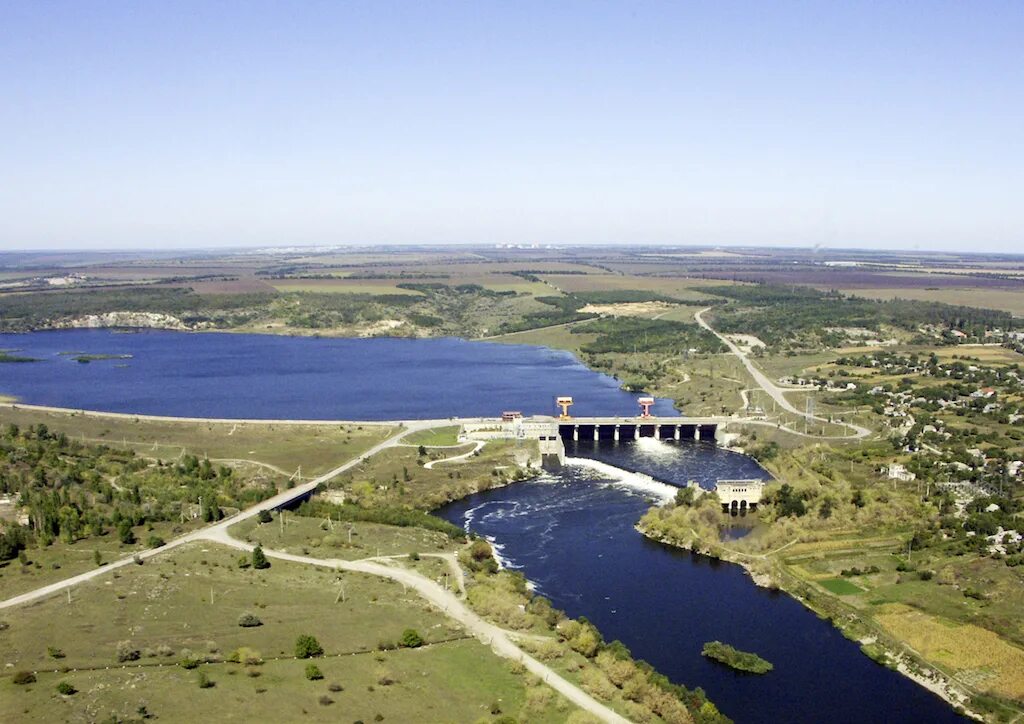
313,672
127,652
307,646
189,663
259,561
204,681
155,541
335,686
54,652
410,639
249,620
124,532
325,700
264,516
23,677
66,689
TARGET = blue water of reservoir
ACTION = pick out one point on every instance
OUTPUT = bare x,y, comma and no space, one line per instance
276,377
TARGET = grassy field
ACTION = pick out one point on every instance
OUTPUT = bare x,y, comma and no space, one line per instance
164,611
444,436
60,560
317,448
397,477
557,337
839,586
348,541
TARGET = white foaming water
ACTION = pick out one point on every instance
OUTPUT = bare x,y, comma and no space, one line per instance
496,548
652,447
663,492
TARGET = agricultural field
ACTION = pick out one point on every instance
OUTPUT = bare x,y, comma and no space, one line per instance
681,289
344,286
972,653
1009,300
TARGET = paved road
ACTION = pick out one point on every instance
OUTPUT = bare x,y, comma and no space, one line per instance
423,424
773,390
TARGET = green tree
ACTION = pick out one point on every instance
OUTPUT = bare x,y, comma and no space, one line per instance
685,496
124,532
313,672
306,646
264,516
410,639
259,561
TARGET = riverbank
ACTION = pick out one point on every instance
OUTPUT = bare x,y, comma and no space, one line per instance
884,650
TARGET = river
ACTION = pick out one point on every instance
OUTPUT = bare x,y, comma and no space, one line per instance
572,534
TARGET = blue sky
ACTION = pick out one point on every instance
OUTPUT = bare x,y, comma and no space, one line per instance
178,124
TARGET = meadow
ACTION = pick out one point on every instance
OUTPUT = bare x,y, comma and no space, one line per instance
186,606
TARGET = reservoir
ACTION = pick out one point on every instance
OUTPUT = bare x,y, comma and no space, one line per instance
305,378
571,533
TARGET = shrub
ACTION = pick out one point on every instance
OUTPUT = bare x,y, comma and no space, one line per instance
335,686
245,655
259,561
307,646
189,663
325,700
313,672
264,516
410,639
127,652
125,533
23,677
204,681
54,652
154,541
66,689
249,620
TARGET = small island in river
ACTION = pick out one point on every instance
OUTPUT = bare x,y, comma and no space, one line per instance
739,660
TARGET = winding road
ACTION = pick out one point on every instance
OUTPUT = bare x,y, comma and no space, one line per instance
498,639
773,390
